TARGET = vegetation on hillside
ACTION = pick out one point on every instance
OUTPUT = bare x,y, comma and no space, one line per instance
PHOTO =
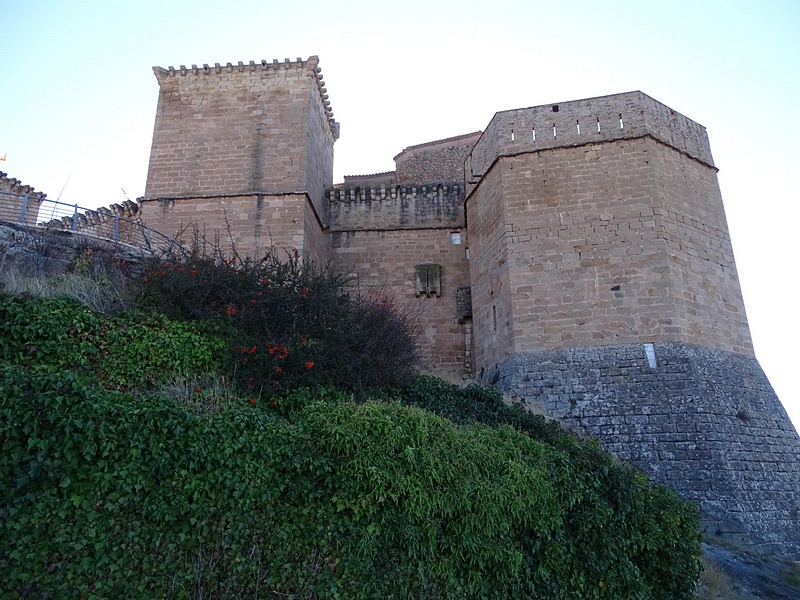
150,454
287,324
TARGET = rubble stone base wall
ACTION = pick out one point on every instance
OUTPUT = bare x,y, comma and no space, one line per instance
704,422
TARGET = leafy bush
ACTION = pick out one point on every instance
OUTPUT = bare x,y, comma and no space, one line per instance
103,495
125,351
209,491
475,404
605,494
289,324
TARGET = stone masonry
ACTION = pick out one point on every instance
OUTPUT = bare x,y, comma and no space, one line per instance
703,421
576,255
245,151
20,202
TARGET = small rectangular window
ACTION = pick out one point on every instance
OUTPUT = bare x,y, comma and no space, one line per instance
650,352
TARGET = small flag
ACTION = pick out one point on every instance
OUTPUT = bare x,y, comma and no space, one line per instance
3,157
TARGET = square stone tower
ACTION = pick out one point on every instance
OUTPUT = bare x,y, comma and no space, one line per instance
250,144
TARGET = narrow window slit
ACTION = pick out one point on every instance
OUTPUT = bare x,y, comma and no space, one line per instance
598,124
621,125
650,353
554,130
578,125
512,135
533,133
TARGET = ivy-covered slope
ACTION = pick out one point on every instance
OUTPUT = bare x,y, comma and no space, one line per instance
111,488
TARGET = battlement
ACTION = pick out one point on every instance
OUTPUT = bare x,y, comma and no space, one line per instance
381,192
391,207
15,186
98,218
589,272
20,203
265,68
242,129
606,118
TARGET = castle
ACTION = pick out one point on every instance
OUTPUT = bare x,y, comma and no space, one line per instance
575,255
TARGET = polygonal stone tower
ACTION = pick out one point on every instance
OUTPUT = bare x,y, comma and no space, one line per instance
247,144
604,290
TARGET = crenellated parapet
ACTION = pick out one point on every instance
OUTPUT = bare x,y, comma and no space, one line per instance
118,222
18,202
242,129
567,124
263,68
388,207
88,221
15,186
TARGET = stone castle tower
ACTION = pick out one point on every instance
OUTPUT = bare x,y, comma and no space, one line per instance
576,255
252,144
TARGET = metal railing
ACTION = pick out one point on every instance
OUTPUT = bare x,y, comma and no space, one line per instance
34,211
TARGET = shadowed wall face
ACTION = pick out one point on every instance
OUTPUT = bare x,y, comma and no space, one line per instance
439,161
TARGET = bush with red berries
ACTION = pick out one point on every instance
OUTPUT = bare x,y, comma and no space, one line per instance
288,322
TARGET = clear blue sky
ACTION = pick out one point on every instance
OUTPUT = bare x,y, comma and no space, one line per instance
78,98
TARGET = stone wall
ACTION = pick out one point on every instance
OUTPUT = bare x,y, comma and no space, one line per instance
20,202
606,243
120,222
599,285
316,245
396,207
387,178
704,422
38,252
489,273
439,161
383,264
252,223
322,133
259,128
704,284
380,235
578,122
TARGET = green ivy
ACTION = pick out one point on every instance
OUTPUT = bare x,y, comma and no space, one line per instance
106,495
123,352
